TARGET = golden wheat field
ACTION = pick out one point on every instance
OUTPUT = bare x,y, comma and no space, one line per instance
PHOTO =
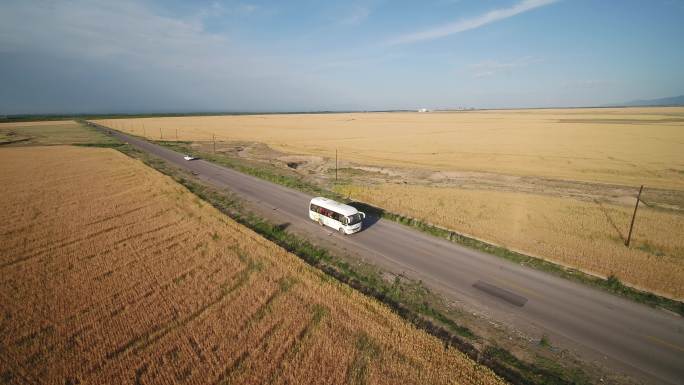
631,146
585,235
113,273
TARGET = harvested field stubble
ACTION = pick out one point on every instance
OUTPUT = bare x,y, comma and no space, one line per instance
113,273
49,133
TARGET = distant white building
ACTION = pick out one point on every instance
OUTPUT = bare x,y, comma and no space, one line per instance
423,110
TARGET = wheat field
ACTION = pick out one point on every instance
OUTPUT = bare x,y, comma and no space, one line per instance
580,234
114,273
631,146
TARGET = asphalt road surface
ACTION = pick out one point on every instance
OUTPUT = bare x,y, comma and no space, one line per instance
646,342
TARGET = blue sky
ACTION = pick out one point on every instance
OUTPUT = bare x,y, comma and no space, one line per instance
169,56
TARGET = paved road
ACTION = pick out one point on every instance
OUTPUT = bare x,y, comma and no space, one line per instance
644,341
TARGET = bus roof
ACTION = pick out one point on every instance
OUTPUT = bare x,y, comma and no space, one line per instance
337,207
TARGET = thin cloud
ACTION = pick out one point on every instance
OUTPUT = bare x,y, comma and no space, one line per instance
494,67
587,84
357,15
173,57
472,23
218,10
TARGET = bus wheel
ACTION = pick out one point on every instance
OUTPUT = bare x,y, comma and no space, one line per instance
341,230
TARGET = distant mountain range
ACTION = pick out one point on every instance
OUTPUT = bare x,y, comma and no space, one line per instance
671,101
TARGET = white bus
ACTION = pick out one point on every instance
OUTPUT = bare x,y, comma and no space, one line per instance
341,217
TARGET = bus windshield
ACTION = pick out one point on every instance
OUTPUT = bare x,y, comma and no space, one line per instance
354,219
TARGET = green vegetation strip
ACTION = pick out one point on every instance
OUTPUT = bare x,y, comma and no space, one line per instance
289,179
408,300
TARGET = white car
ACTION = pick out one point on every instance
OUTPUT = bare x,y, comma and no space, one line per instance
189,157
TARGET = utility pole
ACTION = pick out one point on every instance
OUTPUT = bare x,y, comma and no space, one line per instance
144,132
629,236
213,136
176,133
335,165
160,134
